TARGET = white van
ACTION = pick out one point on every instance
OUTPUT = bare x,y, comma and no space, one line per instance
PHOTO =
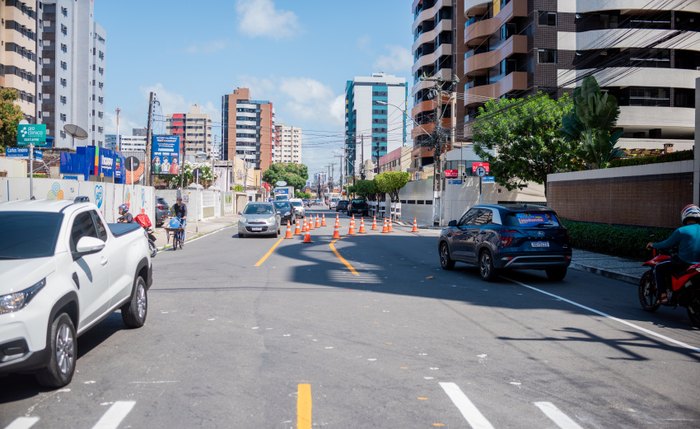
334,202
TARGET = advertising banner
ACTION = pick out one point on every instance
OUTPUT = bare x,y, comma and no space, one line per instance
166,155
31,134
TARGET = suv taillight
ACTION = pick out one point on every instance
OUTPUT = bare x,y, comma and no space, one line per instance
507,237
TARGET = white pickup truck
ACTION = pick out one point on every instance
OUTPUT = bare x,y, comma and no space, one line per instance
62,270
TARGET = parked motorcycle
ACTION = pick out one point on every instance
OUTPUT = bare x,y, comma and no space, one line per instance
685,289
143,220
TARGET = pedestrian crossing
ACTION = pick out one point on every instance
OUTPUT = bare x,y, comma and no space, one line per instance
118,411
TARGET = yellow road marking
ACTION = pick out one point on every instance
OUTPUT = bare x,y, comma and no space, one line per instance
343,260
269,252
304,406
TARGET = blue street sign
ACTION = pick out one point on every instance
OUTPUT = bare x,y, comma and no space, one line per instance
454,181
22,152
488,179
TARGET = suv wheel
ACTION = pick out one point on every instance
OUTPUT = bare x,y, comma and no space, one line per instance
63,351
556,274
446,262
486,268
135,311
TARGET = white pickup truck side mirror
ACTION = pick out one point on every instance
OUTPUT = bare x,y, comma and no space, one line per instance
88,245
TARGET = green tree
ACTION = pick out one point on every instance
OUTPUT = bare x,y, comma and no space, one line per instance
294,174
10,115
366,189
591,123
391,182
522,139
303,195
186,176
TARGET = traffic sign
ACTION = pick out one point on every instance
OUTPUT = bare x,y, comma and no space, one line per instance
488,179
31,134
481,168
451,174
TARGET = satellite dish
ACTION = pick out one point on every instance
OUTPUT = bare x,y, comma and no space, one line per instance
75,131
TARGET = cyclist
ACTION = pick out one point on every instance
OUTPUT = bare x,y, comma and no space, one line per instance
125,216
179,210
687,240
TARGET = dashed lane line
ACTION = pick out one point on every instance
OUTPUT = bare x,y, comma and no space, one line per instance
473,416
23,423
560,419
304,406
114,416
609,317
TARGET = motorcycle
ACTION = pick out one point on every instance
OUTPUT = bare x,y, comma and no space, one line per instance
685,289
143,220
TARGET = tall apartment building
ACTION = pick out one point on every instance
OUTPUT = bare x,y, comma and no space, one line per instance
645,53
287,147
73,71
248,128
129,143
194,129
438,52
20,54
375,119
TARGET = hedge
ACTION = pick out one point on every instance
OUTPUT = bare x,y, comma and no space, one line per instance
682,155
617,240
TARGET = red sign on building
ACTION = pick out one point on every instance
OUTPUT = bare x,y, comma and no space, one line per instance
451,174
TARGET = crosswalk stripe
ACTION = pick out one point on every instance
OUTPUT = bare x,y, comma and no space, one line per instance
555,415
475,419
115,415
23,423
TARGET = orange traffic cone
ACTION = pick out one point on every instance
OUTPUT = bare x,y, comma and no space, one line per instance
337,222
318,222
374,223
323,222
297,228
415,225
351,229
288,235
362,226
385,228
307,238
304,226
336,233
391,225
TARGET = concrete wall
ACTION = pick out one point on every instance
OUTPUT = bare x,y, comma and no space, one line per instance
10,167
646,195
106,196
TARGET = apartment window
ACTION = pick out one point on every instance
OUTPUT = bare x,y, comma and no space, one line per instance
64,29
64,117
64,11
548,19
100,100
547,56
64,65
64,82
64,99
64,47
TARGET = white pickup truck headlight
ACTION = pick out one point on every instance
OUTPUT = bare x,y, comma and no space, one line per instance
18,300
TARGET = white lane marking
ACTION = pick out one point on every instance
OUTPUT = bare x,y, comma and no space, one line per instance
555,415
23,423
475,419
607,316
115,415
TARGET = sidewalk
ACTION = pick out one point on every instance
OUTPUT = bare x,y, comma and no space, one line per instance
195,229
626,270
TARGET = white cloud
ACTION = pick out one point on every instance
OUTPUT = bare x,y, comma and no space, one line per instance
209,47
172,102
310,99
126,125
260,18
397,59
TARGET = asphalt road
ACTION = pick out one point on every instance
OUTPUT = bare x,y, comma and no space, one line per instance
381,338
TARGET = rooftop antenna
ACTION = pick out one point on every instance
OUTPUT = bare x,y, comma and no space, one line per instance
75,132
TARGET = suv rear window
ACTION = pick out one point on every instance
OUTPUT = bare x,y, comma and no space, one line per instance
531,219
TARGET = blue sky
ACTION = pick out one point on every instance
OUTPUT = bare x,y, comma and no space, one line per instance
296,53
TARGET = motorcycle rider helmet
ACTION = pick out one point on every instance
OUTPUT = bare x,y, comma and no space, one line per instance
124,209
691,211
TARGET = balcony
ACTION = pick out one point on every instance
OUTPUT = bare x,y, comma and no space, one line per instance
515,81
477,32
429,59
427,129
430,35
429,13
476,7
480,64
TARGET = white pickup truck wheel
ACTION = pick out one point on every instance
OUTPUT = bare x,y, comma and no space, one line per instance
135,311
63,351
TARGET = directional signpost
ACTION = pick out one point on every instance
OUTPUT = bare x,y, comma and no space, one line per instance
31,135
481,169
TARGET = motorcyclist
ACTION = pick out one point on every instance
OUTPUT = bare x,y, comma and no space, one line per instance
125,216
687,240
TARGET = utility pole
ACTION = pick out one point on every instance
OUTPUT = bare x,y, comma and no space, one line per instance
362,157
149,137
340,171
119,141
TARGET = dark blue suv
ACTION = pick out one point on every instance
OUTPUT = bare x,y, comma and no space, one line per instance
496,237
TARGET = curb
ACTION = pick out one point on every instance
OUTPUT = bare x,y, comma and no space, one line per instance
627,278
197,236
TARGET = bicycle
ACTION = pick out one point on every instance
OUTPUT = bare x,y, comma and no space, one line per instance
176,226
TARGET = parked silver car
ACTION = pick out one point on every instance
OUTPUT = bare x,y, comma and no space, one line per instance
259,218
